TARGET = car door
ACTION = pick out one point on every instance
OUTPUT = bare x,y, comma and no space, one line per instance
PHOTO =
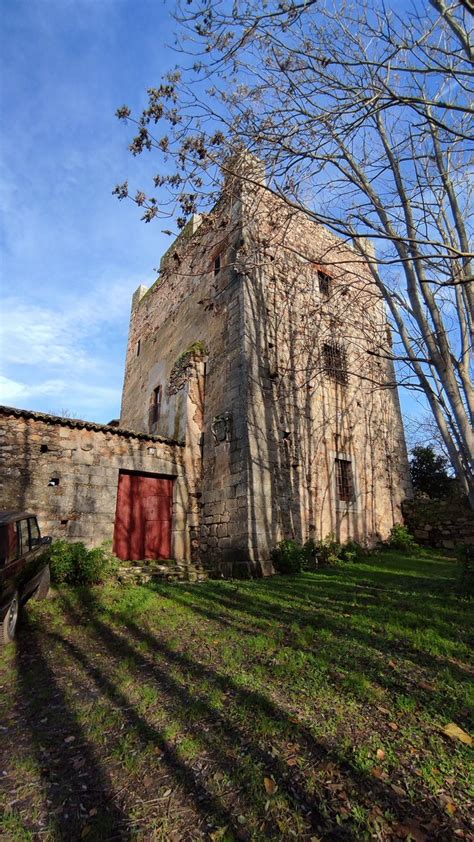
24,556
12,564
33,553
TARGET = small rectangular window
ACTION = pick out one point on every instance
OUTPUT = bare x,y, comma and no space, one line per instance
138,348
335,362
344,481
217,264
324,282
155,408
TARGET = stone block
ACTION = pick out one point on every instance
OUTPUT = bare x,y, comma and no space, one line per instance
180,545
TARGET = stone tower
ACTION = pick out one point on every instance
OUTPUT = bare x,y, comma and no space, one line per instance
263,347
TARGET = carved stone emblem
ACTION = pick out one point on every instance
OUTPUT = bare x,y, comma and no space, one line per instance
221,427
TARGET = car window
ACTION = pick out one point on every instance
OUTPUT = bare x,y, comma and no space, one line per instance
10,549
25,540
13,543
35,537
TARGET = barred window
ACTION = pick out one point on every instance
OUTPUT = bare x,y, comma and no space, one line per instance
335,362
344,480
324,282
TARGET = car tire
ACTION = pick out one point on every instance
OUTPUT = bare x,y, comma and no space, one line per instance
8,626
42,590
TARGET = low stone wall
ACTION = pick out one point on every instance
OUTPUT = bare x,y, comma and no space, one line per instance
440,523
66,471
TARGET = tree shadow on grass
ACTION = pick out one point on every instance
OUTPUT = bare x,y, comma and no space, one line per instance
368,654
182,701
74,780
221,733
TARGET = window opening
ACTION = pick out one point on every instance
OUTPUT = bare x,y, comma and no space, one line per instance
138,347
344,480
54,481
217,264
324,282
44,448
155,407
335,362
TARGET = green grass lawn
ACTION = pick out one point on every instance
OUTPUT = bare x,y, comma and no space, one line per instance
287,708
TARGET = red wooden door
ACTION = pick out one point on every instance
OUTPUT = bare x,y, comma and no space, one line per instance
143,517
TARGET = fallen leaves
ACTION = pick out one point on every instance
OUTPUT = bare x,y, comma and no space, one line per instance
270,786
219,834
398,790
410,830
456,733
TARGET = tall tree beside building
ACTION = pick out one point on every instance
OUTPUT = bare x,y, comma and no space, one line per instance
363,117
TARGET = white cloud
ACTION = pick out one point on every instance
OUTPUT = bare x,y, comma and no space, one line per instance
39,336
10,390
62,335
61,395
60,356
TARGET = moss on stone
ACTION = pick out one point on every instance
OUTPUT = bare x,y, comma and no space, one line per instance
178,376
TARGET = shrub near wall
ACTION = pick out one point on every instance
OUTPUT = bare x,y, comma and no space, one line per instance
74,564
440,523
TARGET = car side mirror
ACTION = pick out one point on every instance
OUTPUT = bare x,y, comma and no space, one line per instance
47,539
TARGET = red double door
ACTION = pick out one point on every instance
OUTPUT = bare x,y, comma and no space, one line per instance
143,517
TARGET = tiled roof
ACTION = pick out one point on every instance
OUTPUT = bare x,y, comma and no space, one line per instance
79,424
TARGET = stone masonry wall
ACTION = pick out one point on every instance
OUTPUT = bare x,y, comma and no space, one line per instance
194,308
299,420
440,523
67,473
237,350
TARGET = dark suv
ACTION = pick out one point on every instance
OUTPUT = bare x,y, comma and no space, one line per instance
24,572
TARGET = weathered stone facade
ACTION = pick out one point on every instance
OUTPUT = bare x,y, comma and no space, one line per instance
236,338
67,472
257,378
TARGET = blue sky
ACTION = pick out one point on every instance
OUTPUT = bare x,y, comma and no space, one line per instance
71,254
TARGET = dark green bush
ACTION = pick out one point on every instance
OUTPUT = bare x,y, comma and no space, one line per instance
291,557
328,551
74,564
310,559
352,551
401,539
465,583
288,557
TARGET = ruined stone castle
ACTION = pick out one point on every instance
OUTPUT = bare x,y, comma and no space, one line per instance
259,402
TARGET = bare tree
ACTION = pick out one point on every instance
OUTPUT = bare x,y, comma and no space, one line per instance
364,121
